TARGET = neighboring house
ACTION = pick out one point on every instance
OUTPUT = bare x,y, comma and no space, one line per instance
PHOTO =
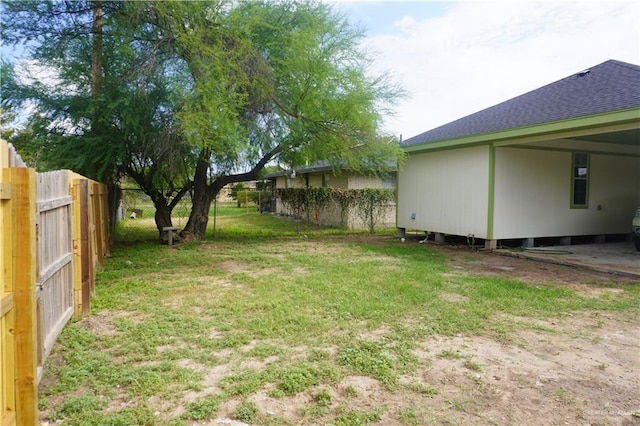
560,161
224,196
321,174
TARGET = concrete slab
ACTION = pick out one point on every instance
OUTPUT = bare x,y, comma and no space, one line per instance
613,258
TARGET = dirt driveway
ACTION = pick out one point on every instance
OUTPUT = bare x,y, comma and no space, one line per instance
584,369
613,258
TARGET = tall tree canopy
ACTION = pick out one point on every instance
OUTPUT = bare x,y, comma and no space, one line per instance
191,96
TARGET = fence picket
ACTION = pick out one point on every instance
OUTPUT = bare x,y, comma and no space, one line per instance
54,237
24,232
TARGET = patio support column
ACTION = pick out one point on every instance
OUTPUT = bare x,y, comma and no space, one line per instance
490,243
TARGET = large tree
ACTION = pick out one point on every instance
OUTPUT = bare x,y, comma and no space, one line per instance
103,94
277,80
196,95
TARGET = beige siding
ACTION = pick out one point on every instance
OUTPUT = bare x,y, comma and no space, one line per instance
446,190
361,182
315,180
531,190
296,182
337,182
281,182
331,215
533,194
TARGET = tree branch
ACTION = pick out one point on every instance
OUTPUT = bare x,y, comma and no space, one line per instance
252,174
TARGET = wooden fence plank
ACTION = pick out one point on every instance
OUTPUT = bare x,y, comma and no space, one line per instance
7,303
23,216
55,256
5,191
44,206
53,236
97,216
86,257
77,249
55,267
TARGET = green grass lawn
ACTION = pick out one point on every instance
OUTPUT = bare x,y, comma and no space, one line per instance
279,314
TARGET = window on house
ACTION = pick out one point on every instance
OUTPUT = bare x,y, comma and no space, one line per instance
325,180
580,181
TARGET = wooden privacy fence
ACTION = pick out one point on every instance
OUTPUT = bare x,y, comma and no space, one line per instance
54,229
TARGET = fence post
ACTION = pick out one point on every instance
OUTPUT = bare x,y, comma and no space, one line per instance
97,220
24,266
81,250
7,305
91,242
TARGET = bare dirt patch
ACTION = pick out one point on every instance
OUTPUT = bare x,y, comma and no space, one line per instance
102,323
556,377
233,267
464,260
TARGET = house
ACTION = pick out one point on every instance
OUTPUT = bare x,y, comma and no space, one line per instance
322,175
561,161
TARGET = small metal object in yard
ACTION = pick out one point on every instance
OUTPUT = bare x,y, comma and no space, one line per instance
170,230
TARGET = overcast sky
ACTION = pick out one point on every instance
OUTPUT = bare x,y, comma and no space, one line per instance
456,58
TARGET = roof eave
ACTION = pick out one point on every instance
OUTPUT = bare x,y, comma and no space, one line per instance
562,128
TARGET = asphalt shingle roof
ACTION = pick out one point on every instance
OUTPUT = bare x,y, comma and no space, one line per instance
610,86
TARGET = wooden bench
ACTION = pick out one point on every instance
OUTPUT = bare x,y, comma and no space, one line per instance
170,230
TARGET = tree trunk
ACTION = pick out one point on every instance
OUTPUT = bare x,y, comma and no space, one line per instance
200,204
96,53
162,217
204,194
114,196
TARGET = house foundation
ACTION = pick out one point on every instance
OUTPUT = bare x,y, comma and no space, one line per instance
490,244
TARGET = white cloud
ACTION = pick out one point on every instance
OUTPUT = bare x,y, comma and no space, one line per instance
478,54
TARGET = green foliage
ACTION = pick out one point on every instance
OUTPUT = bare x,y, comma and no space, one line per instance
409,417
202,408
297,378
244,196
243,383
349,417
79,406
369,203
473,365
172,94
366,357
236,191
372,204
321,405
323,398
246,411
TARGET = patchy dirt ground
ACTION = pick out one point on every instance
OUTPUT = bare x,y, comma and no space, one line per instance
581,370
